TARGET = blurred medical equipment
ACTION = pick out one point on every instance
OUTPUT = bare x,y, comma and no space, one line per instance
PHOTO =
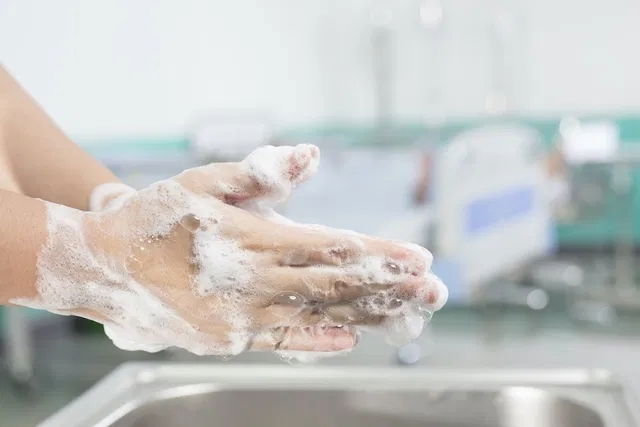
582,171
600,180
491,210
488,216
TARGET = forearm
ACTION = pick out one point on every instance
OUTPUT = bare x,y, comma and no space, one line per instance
23,229
36,158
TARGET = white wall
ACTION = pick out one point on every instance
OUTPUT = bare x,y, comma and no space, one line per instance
124,67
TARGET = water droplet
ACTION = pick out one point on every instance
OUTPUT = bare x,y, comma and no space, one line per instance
393,267
426,313
409,353
190,222
287,304
285,358
225,357
288,298
290,359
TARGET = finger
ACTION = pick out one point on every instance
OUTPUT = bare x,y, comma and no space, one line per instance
303,245
300,246
317,315
428,292
347,314
317,284
311,296
268,174
308,245
434,294
404,268
400,258
408,264
283,315
305,339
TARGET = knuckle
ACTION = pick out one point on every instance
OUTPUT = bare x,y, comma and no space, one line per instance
342,251
346,287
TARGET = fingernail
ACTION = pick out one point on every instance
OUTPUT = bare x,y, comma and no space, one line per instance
442,294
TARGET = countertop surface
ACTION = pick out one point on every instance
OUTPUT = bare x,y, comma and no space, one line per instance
69,364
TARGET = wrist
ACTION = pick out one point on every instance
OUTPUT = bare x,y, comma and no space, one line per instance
105,240
68,276
23,231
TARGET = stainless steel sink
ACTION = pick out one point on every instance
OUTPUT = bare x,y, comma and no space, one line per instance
244,395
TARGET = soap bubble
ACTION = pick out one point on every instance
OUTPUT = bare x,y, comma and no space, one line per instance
190,222
287,304
426,313
289,298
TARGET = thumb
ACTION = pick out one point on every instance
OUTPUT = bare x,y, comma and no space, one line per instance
280,169
266,176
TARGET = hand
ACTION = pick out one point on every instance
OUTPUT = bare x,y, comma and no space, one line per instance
201,261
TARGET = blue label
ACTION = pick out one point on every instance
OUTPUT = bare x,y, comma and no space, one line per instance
487,212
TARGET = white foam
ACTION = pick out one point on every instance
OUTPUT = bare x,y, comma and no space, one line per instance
73,278
110,195
309,356
271,167
224,265
76,275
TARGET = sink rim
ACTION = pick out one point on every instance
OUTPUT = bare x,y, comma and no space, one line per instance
511,398
133,384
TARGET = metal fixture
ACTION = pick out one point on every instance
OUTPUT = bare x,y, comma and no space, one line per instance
200,394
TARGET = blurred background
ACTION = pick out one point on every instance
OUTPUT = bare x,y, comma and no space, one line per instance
502,135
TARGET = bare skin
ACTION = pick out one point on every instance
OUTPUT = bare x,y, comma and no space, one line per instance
38,161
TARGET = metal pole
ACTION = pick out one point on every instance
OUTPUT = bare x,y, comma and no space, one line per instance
18,348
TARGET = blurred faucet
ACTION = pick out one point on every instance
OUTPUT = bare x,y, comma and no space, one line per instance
381,16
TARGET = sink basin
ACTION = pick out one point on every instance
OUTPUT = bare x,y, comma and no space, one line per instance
162,395
339,408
